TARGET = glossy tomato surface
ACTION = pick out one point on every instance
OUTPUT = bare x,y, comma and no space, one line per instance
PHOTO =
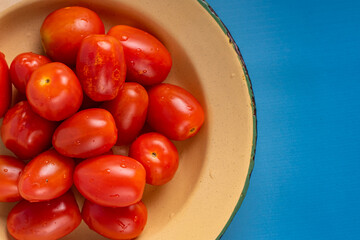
25,133
110,180
115,223
158,155
47,176
63,30
5,86
48,220
147,59
174,112
54,92
101,67
10,170
129,110
23,66
87,133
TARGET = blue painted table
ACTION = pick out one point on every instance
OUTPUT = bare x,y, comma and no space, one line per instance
303,59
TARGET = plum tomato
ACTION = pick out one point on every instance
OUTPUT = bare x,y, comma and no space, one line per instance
129,110
158,155
101,67
47,176
47,220
110,180
174,112
10,170
147,59
54,92
25,133
87,133
23,66
63,30
5,86
115,223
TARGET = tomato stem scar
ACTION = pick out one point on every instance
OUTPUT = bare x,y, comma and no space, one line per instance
153,155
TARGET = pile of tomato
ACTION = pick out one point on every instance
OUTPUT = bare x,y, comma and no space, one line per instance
92,91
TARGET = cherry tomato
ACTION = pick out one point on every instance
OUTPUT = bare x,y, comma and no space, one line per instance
147,59
5,86
158,155
54,92
47,176
115,223
129,111
10,170
23,66
25,133
87,133
63,30
110,180
48,220
101,67
174,112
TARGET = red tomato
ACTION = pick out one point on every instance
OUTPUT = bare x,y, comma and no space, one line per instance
23,66
63,30
115,223
147,59
48,220
110,180
54,91
10,170
174,112
129,111
25,133
158,155
88,133
101,67
5,86
47,176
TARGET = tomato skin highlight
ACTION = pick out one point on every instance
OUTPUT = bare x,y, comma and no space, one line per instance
63,30
47,176
5,86
23,66
147,59
25,133
174,112
158,155
87,133
48,220
115,223
129,110
10,170
110,180
101,67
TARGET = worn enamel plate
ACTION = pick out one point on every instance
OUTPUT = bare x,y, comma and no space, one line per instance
216,164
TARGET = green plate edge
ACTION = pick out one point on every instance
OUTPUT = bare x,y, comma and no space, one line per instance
251,93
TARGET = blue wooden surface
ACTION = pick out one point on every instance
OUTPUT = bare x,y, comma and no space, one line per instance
303,58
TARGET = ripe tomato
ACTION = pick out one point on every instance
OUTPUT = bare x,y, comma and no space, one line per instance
23,66
25,133
63,30
158,155
129,111
5,86
147,59
48,220
87,133
54,92
174,112
115,223
10,170
101,67
47,176
110,180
